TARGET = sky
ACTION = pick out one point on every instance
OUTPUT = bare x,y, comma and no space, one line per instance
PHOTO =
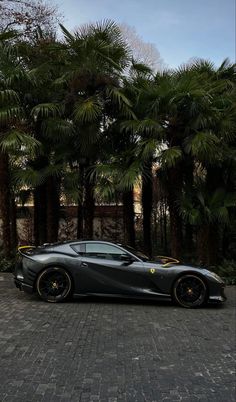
180,29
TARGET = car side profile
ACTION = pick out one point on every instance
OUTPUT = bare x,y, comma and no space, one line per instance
98,268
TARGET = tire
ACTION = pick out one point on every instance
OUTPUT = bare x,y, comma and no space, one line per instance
190,291
54,285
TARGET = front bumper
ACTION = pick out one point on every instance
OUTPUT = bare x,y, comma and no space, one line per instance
23,286
220,297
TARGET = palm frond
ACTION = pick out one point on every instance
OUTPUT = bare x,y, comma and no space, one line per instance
15,139
9,114
9,96
10,34
28,177
45,110
203,145
57,129
140,68
220,215
67,35
170,157
56,170
88,111
118,96
148,148
142,127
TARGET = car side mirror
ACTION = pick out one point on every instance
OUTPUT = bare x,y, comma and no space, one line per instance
128,259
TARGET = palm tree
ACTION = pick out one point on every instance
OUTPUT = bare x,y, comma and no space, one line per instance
206,211
145,131
13,129
97,55
43,105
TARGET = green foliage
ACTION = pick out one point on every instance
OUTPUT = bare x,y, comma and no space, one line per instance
45,110
8,96
81,111
88,110
227,270
15,139
6,264
57,129
203,146
198,206
170,157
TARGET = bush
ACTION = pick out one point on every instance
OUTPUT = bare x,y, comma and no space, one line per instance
7,265
227,271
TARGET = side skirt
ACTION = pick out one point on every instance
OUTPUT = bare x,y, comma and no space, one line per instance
122,296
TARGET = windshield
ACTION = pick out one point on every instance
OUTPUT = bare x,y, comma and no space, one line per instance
137,253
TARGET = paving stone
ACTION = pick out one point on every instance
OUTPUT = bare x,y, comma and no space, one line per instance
107,350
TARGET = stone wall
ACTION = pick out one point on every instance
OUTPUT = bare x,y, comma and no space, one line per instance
108,224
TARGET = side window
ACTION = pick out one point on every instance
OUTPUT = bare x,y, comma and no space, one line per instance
79,248
103,251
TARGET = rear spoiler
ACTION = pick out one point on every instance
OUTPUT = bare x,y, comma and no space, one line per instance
26,248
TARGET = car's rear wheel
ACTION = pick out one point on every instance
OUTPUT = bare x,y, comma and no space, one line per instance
54,285
190,291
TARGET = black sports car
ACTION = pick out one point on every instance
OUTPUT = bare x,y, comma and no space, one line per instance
99,268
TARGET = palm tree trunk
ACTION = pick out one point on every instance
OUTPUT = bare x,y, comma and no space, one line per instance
174,192
14,237
128,217
188,178
80,220
213,245
53,209
147,198
202,244
5,202
188,238
89,207
80,208
40,214
208,244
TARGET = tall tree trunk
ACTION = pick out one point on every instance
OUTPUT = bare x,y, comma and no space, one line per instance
5,202
14,237
174,193
165,225
53,209
80,220
213,244
40,198
147,198
128,217
202,244
188,242
161,224
80,208
208,244
188,178
89,208
40,214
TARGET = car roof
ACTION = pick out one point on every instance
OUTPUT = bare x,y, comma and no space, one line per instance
80,241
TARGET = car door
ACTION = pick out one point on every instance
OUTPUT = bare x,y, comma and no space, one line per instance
102,271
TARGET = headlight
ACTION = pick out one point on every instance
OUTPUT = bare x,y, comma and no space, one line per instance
215,276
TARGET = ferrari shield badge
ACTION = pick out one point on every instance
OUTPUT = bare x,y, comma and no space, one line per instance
152,271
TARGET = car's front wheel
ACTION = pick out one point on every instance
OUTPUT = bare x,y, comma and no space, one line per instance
54,284
190,291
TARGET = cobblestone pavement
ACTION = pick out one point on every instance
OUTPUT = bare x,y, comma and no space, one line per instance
114,351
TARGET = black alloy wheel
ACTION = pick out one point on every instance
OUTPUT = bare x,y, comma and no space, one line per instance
54,285
190,291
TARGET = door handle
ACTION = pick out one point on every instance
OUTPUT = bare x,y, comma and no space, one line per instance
84,264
